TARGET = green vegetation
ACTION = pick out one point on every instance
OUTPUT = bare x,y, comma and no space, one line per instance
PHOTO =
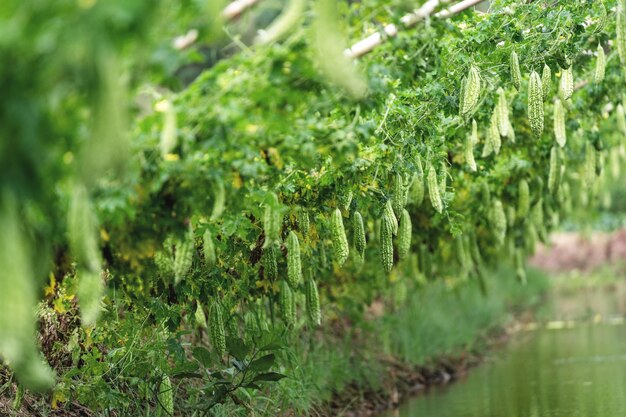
178,249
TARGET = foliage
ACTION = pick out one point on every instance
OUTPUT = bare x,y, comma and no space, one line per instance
209,203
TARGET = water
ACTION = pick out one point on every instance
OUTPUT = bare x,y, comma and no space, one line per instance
566,368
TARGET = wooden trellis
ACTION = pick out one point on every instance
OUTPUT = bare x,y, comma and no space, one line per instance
364,46
237,8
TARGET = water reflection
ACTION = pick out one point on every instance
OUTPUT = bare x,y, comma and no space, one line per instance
557,371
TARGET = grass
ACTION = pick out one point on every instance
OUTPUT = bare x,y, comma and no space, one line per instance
434,324
573,281
346,359
431,325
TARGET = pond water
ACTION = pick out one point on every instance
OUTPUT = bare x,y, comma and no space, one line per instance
564,368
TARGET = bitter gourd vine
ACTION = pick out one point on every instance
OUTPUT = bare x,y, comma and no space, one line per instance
268,148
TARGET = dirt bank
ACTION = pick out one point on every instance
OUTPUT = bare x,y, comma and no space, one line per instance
574,251
402,381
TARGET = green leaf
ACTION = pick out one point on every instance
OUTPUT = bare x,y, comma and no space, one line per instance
186,374
237,348
263,363
202,355
268,376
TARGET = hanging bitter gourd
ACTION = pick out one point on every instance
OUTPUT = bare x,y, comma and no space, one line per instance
559,123
474,249
359,235
400,194
340,241
183,256
516,73
19,397
443,179
322,256
82,228
294,262
283,24
494,131
523,199
199,316
554,172
233,327
498,218
417,184
304,222
287,303
537,217
404,235
600,65
511,135
470,92
270,261
217,333
169,138
602,20
164,260
208,248
388,210
511,216
433,189
272,220
546,81
461,252
566,86
426,262
345,200
474,135
621,118
219,200
386,242
589,167
166,397
520,271
531,237
620,31
313,301
485,193
503,113
535,104
89,292
469,147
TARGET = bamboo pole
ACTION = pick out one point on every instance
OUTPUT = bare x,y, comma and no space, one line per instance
371,42
236,8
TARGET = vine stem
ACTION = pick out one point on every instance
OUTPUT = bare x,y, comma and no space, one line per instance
389,31
236,8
